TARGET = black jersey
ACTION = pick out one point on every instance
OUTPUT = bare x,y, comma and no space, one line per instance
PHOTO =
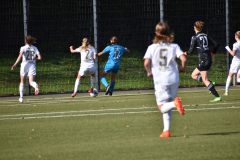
202,42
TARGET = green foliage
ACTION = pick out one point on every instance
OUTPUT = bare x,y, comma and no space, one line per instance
57,75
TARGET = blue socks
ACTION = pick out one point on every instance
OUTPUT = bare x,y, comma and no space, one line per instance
104,81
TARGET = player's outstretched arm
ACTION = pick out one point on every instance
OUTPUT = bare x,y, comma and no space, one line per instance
232,52
72,50
100,53
17,61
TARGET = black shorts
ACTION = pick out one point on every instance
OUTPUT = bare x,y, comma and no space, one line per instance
204,65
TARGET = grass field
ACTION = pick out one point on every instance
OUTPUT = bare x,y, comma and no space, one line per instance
124,126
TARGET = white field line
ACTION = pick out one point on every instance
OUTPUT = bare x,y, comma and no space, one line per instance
103,114
191,90
106,110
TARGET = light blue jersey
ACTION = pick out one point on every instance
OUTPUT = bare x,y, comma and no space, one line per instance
114,59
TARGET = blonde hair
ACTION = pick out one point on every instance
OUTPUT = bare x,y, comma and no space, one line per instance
237,34
199,25
85,43
161,32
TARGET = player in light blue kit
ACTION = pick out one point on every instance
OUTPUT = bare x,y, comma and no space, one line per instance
115,52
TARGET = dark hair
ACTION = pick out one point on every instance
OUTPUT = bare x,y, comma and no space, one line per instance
30,40
199,25
114,40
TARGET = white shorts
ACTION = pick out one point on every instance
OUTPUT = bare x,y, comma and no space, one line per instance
235,66
87,71
28,69
165,93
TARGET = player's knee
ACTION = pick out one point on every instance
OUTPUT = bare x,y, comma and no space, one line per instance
160,107
194,76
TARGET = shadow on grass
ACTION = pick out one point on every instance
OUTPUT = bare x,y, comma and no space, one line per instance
219,133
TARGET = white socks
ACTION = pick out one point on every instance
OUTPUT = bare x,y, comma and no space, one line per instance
21,90
34,85
166,107
93,81
166,120
77,83
228,84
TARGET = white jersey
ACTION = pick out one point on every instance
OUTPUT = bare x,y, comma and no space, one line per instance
87,57
163,64
29,53
236,58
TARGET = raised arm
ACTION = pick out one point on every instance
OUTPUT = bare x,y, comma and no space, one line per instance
17,61
73,50
232,52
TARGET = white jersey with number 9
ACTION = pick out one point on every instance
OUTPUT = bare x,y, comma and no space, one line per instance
163,62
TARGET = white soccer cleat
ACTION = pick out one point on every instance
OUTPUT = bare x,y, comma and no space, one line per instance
20,100
225,94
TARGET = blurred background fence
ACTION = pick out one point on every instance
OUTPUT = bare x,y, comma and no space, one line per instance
57,24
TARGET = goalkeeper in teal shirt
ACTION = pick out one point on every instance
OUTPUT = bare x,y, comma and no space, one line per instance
115,52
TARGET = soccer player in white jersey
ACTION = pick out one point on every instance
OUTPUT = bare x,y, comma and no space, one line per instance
235,65
87,66
159,62
29,54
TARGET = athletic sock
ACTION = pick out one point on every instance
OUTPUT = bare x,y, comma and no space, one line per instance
166,107
167,120
93,81
34,85
228,83
199,78
21,89
112,84
77,83
212,89
104,81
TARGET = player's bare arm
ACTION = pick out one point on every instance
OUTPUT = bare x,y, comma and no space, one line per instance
39,57
232,52
100,53
17,61
183,59
72,50
147,66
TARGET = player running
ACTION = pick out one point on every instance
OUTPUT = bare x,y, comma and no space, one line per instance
160,62
115,52
201,42
235,65
87,66
29,54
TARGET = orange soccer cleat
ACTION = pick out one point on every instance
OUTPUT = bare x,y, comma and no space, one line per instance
36,92
179,106
165,134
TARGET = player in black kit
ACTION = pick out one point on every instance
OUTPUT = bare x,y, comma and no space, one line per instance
202,42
